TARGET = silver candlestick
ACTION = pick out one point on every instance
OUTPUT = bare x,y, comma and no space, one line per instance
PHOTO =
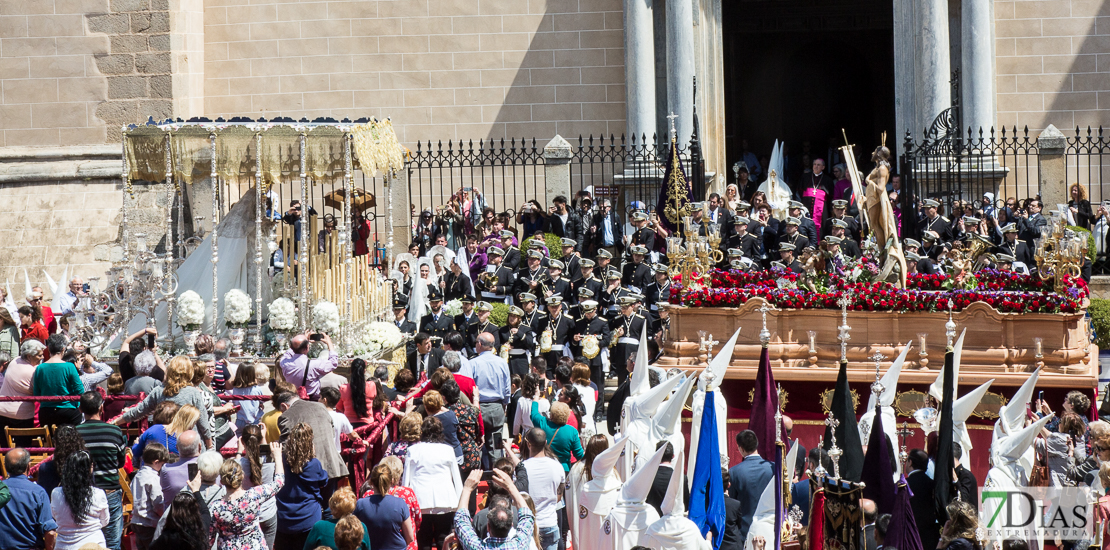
778,417
844,301
950,326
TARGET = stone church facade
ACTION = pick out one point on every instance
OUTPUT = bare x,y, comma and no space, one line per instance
72,72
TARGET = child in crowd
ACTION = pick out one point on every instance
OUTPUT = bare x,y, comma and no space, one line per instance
146,490
330,397
250,379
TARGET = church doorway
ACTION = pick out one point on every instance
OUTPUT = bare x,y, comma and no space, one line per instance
800,70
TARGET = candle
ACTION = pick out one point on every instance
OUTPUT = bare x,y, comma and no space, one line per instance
1038,350
921,343
813,342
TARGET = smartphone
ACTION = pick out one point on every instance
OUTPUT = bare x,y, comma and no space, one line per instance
497,440
487,475
150,341
1040,396
316,337
193,470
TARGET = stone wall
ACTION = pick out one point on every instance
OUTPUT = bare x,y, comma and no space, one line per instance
63,207
51,84
1052,64
441,69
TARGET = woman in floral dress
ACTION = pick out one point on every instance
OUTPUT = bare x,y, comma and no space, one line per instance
468,430
235,516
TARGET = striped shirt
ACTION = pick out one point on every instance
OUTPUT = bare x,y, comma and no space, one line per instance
106,445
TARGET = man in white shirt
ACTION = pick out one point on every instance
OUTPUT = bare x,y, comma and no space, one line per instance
330,397
69,300
545,483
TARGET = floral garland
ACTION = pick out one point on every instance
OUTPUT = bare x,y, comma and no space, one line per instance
325,317
1004,291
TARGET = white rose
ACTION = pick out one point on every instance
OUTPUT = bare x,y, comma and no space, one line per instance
283,315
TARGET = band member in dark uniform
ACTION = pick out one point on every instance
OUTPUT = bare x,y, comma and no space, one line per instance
484,325
530,277
437,323
518,336
637,274
557,285
561,328
625,330
496,283
591,325
588,279
535,318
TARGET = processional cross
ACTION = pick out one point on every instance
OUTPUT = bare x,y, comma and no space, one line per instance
834,451
877,388
765,335
671,118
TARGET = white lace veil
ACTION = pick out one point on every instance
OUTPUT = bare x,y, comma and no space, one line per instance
418,298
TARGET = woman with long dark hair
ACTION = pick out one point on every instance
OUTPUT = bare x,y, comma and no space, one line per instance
235,517
571,397
300,503
433,474
358,396
79,508
257,471
66,442
184,529
468,428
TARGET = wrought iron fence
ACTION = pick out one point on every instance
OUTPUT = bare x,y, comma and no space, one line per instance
968,174
1087,165
506,173
628,172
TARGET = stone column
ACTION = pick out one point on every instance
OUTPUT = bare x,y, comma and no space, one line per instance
977,60
933,68
639,68
557,155
401,220
1052,166
680,66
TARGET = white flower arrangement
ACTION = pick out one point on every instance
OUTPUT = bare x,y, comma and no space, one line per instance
237,308
283,314
453,308
325,317
376,336
190,310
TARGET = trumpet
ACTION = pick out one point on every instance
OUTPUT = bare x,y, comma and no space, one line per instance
488,279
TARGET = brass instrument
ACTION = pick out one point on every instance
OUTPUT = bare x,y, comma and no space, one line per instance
546,339
488,279
590,347
616,335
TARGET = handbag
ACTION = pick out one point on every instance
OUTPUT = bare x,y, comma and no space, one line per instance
1039,476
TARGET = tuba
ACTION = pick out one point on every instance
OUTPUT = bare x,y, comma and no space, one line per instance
977,252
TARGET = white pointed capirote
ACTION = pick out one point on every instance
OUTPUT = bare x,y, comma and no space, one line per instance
58,289
592,500
961,411
27,281
1011,417
9,302
640,383
937,389
638,420
668,417
710,379
626,522
674,529
1007,474
763,522
890,388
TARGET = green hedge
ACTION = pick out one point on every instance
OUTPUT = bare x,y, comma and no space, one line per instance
1100,319
553,242
500,314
